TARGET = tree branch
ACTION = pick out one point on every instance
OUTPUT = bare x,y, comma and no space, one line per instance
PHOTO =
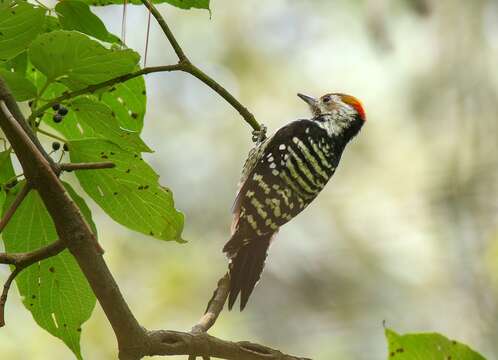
202,76
214,307
184,65
164,342
21,261
17,201
86,166
71,228
5,293
171,38
27,258
92,88
190,68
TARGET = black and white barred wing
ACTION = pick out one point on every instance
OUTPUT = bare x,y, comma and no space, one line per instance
283,175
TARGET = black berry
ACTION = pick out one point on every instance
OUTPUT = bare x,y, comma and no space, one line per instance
56,145
62,111
65,147
57,118
56,107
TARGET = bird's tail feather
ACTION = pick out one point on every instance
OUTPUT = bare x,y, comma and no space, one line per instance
247,259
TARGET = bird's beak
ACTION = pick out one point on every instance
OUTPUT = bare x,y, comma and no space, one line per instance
309,100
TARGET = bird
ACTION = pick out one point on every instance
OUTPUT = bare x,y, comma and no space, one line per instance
282,175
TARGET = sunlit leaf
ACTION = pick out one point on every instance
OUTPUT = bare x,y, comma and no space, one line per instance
76,15
19,63
130,192
427,346
20,23
21,88
128,100
54,290
77,61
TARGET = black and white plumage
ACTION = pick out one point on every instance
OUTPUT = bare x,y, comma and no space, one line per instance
282,176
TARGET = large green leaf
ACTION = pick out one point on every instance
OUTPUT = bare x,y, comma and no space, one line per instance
182,4
54,290
76,15
21,88
427,346
20,23
130,192
78,61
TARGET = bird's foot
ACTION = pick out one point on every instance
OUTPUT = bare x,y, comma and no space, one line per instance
258,136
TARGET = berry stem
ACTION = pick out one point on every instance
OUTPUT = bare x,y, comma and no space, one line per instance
53,136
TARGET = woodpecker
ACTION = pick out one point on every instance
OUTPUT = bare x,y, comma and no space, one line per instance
281,177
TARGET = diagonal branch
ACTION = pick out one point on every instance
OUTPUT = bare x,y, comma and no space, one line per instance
86,166
214,307
71,228
95,87
162,23
13,207
5,293
21,261
163,342
243,111
27,258
190,68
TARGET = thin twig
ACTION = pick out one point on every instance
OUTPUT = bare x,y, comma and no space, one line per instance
53,136
206,79
5,293
162,23
27,258
13,207
21,261
147,38
198,73
214,307
86,166
92,88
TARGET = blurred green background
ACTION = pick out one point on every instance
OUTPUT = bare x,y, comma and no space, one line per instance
406,231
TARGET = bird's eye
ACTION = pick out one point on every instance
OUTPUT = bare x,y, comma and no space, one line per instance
326,99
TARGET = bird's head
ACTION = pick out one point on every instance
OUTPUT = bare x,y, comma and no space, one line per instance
338,112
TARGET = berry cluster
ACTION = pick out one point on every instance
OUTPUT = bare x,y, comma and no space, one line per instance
61,112
57,145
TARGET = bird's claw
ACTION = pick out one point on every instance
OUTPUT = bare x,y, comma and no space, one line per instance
258,136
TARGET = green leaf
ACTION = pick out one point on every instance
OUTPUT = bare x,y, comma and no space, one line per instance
89,118
128,101
77,61
182,4
6,173
51,23
20,23
76,15
54,290
21,88
130,192
6,168
19,64
427,346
